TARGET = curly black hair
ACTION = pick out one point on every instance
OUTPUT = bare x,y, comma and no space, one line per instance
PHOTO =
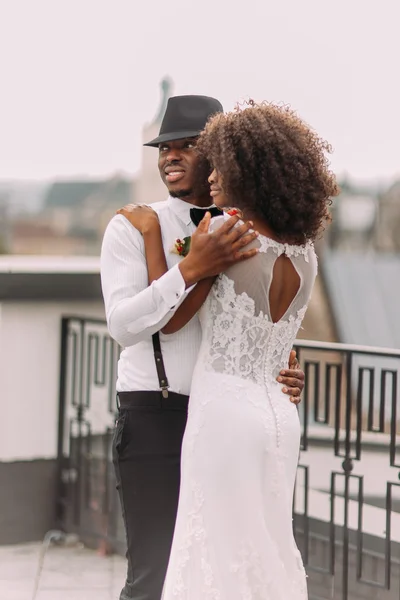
273,166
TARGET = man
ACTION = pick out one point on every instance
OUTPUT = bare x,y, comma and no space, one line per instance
155,371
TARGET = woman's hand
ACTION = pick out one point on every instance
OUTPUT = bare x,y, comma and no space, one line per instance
212,253
141,216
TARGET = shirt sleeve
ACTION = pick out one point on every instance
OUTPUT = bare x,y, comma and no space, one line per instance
134,309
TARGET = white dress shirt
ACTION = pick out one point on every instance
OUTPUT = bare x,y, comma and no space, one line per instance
135,310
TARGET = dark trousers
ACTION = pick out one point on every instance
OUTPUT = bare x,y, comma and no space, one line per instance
146,454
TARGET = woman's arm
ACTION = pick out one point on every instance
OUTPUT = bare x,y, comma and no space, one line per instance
157,266
146,221
134,309
190,306
154,251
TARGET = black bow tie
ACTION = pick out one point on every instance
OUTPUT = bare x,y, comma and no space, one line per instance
197,214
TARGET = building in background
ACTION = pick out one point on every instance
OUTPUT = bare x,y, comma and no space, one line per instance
387,228
72,219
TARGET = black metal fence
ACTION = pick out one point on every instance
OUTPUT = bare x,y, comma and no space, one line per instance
347,500
87,502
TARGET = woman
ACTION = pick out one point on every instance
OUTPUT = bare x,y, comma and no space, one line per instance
233,538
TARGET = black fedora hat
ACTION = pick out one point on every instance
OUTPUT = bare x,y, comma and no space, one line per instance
185,117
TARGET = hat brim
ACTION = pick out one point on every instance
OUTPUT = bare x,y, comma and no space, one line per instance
171,137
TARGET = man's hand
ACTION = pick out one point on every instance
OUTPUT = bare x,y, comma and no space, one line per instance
292,379
142,217
212,253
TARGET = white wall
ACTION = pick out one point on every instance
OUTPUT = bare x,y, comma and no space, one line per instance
29,374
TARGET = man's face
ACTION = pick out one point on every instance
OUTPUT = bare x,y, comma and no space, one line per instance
182,170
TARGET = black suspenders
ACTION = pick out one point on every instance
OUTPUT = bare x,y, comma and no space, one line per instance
162,377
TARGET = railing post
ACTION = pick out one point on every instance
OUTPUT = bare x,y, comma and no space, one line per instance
59,511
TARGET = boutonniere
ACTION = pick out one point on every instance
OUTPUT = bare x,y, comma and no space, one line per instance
181,246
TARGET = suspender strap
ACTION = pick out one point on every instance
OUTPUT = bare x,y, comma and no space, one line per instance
162,377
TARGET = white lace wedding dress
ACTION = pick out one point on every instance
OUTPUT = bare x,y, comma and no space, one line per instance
233,538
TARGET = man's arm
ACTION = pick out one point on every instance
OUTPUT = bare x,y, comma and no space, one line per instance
292,379
134,309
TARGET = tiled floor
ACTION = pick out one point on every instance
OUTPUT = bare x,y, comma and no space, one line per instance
67,573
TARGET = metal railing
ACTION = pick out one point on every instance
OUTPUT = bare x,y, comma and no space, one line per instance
347,500
349,407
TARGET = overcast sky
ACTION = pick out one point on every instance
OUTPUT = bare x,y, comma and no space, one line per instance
79,78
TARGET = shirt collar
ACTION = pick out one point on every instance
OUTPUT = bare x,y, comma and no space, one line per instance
182,209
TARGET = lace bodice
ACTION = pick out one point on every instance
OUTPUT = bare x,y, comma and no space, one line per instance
239,336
